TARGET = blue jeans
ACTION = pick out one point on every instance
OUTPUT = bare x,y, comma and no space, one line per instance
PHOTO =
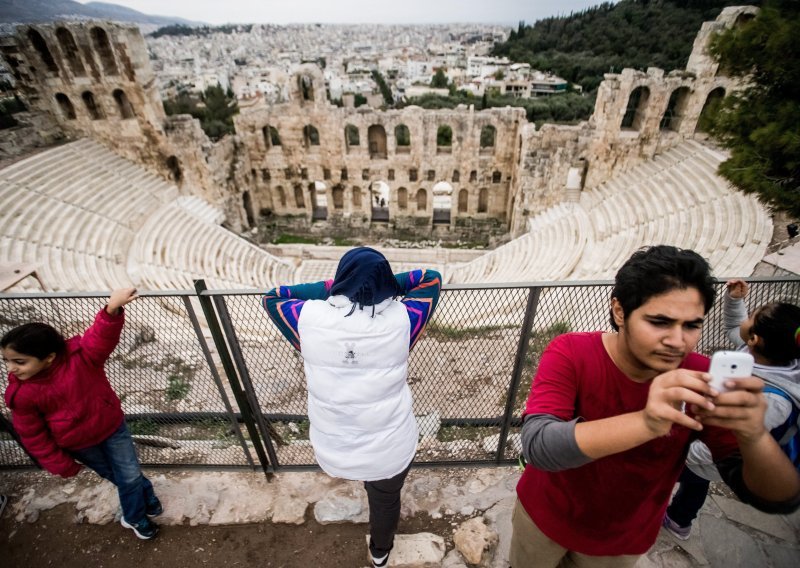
115,459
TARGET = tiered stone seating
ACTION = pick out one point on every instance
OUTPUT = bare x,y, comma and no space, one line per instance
81,214
676,198
548,251
175,247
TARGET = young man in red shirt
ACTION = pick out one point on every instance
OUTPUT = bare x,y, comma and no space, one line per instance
611,415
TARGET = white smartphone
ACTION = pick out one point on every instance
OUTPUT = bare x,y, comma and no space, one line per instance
727,365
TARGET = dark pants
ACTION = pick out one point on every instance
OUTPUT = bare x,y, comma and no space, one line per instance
115,459
384,511
689,499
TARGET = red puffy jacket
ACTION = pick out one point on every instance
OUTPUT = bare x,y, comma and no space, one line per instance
71,405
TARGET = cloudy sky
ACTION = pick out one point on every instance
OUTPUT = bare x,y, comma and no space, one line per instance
357,11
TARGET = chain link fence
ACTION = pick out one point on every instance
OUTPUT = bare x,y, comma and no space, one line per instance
206,380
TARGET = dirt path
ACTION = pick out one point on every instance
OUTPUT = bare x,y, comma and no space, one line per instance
56,540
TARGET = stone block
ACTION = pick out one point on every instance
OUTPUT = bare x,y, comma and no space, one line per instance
475,541
421,550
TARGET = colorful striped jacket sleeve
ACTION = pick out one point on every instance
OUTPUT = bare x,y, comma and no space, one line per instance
421,289
283,305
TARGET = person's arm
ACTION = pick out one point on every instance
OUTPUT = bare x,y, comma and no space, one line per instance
668,393
284,303
761,473
549,443
555,440
734,311
100,340
421,290
37,441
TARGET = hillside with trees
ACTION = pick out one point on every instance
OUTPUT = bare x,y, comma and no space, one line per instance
759,125
606,38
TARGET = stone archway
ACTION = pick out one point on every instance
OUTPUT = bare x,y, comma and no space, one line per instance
379,197
442,202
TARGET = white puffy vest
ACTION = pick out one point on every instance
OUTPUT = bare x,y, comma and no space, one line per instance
359,404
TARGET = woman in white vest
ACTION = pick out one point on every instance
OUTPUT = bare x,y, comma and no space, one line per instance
355,333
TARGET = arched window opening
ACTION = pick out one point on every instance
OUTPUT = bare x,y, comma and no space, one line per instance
281,196
123,104
422,199
488,134
338,197
247,203
444,139
483,200
310,136
319,200
351,137
376,136
70,50
402,138
456,176
65,106
299,202
473,176
356,197
379,192
91,106
710,109
402,198
442,202
174,166
40,45
463,198
635,110
103,47
675,109
497,177
306,87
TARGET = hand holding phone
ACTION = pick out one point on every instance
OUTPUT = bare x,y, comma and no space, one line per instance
727,365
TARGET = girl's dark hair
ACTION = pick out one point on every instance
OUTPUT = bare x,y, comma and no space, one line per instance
657,270
34,339
776,324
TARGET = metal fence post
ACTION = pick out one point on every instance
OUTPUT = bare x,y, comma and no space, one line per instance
267,430
217,381
230,373
519,364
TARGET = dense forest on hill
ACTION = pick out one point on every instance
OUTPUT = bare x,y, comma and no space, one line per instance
606,38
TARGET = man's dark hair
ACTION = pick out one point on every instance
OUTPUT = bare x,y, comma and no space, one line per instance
657,270
35,340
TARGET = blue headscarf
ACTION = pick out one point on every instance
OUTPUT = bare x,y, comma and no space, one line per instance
365,278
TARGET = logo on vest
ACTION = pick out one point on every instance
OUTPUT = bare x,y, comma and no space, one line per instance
350,354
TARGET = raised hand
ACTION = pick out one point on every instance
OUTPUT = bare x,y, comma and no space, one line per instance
119,298
737,288
669,393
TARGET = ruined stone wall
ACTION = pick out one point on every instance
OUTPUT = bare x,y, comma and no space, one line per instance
307,165
94,79
297,171
637,115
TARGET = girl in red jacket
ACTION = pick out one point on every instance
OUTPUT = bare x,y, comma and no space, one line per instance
65,411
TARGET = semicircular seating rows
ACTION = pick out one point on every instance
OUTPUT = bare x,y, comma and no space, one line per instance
676,199
91,221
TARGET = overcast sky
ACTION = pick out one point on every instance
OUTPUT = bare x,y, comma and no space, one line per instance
357,11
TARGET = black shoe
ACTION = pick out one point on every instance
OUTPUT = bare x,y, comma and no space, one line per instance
153,508
379,562
144,529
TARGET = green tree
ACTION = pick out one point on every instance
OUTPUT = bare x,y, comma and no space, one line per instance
759,125
384,88
439,80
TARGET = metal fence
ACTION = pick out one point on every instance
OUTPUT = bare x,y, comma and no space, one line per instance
207,381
